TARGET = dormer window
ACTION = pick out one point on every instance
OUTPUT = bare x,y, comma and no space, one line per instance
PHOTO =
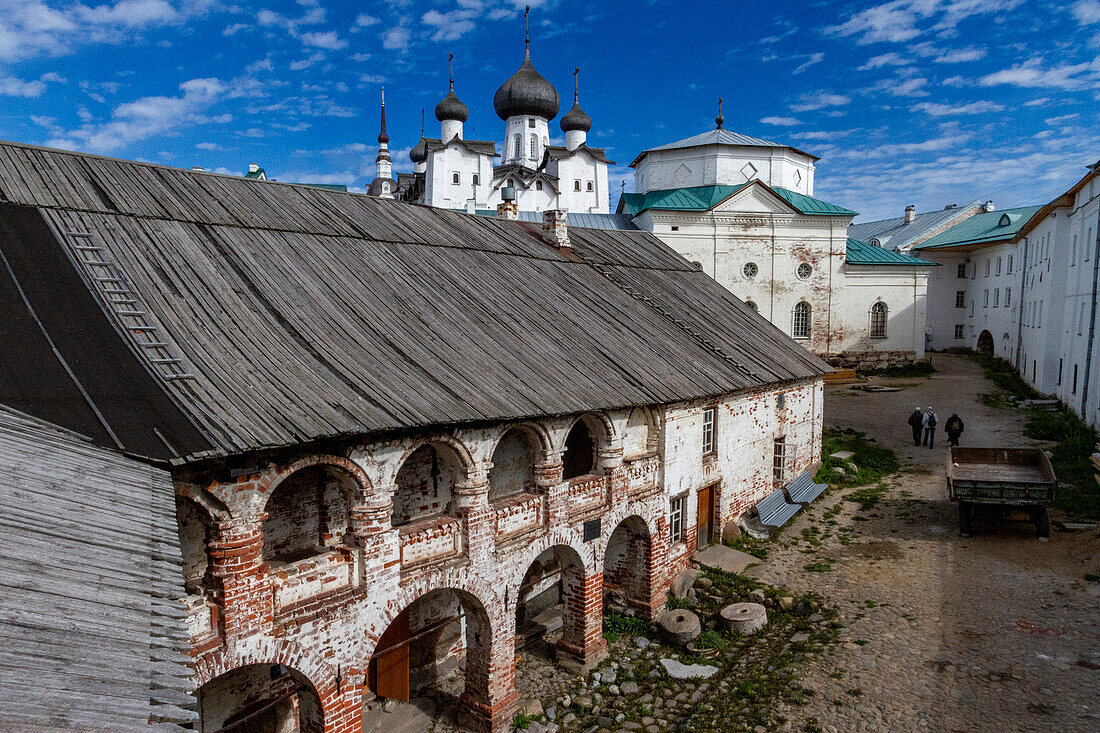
509,183
1005,221
538,185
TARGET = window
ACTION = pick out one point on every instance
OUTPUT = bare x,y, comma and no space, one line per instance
517,146
454,178
477,179
996,297
960,298
749,270
754,306
779,460
538,185
879,312
676,519
960,331
985,299
987,268
576,185
509,183
1073,253
998,265
1008,297
674,228
1074,391
531,122
709,416
1009,268
800,326
534,146
1059,371
971,307
961,272
1085,246
1040,318
590,185
804,271
974,271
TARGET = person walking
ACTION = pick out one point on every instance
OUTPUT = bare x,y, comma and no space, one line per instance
916,422
930,421
954,428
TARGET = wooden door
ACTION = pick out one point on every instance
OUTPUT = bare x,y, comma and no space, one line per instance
705,516
389,669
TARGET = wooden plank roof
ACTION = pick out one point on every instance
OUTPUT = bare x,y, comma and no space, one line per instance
92,631
303,313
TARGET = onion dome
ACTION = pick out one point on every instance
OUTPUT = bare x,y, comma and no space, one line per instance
576,119
419,153
526,93
451,108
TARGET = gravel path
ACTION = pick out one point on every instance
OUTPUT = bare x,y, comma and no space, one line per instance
996,632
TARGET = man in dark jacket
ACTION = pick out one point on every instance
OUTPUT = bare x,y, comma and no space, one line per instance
916,421
953,428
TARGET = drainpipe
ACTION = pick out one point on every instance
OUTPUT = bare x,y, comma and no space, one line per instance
714,243
1092,320
1020,305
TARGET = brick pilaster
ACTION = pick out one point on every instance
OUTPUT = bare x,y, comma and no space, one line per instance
489,700
582,645
237,564
472,506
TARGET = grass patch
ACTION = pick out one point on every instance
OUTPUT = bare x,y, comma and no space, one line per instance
751,546
821,566
873,462
522,721
1075,441
1004,375
616,625
710,639
914,369
867,498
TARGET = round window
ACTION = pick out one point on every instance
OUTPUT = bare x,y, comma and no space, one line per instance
805,270
752,305
749,270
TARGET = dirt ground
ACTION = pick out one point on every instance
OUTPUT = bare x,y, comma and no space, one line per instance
994,632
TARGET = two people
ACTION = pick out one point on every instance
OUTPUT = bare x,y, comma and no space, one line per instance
925,423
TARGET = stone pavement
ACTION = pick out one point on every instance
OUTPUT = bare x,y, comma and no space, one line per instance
996,632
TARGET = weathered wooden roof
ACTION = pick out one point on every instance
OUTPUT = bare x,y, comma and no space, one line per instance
297,313
92,631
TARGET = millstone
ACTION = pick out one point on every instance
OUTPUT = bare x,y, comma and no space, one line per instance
744,618
680,626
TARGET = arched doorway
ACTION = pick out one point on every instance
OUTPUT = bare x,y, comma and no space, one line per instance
260,698
514,460
985,343
582,448
426,483
540,600
437,647
628,569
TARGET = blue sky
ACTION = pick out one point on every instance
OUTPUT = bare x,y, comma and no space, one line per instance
913,101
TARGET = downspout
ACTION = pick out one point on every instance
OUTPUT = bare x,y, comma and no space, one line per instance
1020,305
714,243
1092,320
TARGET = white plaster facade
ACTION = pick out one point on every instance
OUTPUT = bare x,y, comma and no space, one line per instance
722,164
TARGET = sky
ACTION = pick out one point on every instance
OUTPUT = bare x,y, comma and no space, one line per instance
925,102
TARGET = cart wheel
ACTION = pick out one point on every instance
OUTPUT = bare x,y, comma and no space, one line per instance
1042,521
965,513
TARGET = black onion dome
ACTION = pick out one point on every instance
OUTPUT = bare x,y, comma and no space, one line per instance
576,119
451,108
526,93
419,153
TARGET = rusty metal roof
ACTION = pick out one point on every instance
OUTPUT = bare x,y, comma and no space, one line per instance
284,313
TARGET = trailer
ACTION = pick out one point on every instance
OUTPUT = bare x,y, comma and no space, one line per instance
1009,479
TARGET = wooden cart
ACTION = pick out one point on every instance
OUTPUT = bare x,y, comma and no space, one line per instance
1014,479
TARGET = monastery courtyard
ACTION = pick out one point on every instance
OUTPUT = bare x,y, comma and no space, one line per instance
905,625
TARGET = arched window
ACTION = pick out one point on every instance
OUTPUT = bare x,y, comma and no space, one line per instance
425,483
879,311
752,305
513,470
477,179
517,146
534,146
538,185
590,185
454,178
579,457
800,326
576,185
509,183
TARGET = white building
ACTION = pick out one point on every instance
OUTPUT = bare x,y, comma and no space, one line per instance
742,208
1021,284
454,173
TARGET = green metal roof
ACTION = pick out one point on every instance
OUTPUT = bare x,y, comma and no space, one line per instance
982,228
705,198
862,253
813,207
255,174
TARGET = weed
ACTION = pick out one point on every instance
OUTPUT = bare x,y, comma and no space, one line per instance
751,545
867,498
710,639
522,721
914,369
616,625
1004,375
1092,577
821,566
873,462
1077,493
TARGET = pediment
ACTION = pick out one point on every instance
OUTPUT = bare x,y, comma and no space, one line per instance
754,199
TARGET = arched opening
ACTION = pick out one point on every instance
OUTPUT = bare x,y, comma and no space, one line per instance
308,514
425,483
579,458
800,325
879,313
628,569
985,343
436,651
514,461
260,698
638,439
540,608
196,529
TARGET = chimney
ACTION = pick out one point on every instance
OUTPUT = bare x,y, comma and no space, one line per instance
988,206
910,213
555,227
508,208
253,168
197,168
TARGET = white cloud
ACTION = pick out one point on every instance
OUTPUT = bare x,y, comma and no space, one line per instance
13,87
1033,74
780,121
232,30
1061,119
325,39
396,38
961,55
903,20
307,62
913,86
815,58
1087,12
365,19
819,100
887,59
372,79
936,109
452,25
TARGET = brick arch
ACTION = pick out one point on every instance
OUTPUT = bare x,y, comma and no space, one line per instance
542,437
465,584
279,474
634,580
605,429
465,457
214,507
320,674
